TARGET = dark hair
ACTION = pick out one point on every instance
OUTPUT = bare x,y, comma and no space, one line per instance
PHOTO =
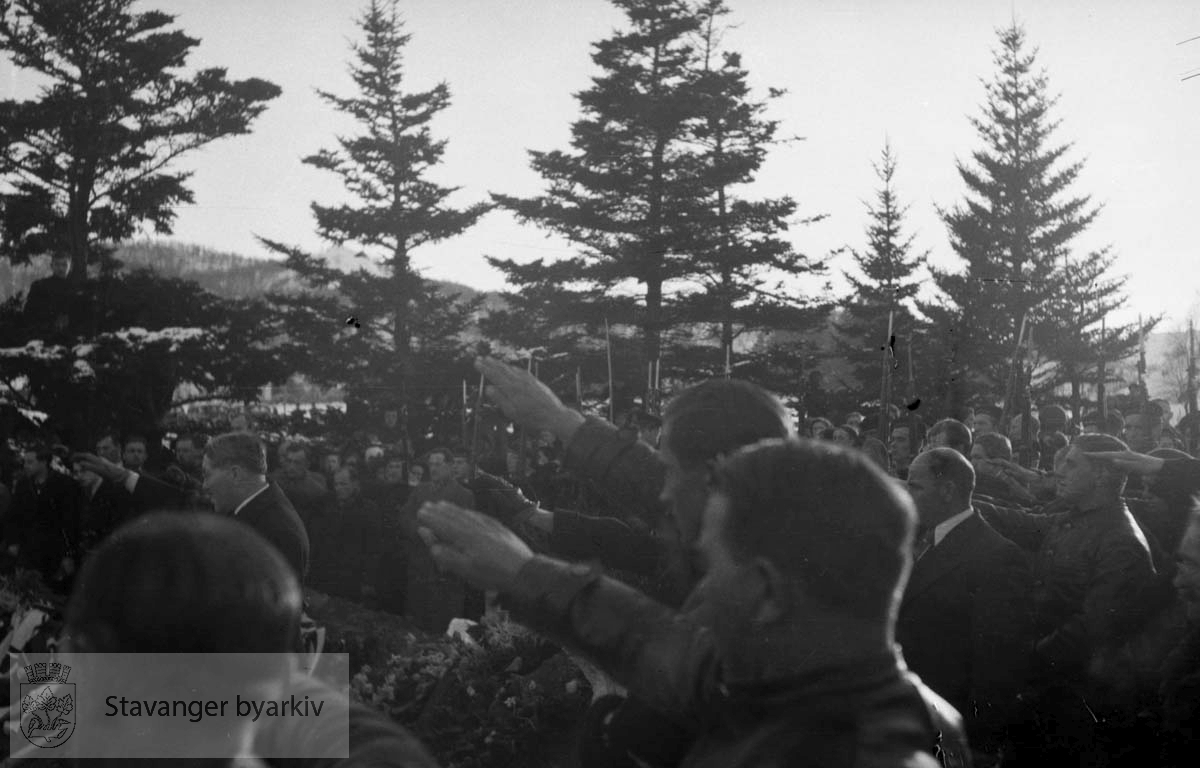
197,439
827,434
135,438
996,445
825,516
719,415
1054,417
186,583
1115,423
238,449
991,411
447,455
958,435
948,464
294,446
42,451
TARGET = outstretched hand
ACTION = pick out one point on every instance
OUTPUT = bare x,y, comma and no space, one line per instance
101,466
1129,461
472,546
526,400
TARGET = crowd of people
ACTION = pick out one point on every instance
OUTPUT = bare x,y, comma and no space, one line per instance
971,593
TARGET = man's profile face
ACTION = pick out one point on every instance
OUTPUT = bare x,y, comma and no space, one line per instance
134,455
439,469
60,265
295,464
220,485
1187,574
684,496
108,450
922,487
1076,476
982,424
901,445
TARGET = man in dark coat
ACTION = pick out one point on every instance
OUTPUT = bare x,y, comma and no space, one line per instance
235,479
784,653
1094,584
51,300
43,525
965,626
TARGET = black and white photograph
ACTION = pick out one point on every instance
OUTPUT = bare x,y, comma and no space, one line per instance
600,383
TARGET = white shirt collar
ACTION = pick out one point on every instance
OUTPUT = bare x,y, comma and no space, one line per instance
250,498
949,524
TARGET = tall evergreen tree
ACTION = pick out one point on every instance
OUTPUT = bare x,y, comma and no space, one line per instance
88,162
401,323
736,246
1014,230
625,194
884,282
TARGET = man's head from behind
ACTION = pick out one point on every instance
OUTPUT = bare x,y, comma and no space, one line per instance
235,466
702,424
940,482
950,433
176,583
797,528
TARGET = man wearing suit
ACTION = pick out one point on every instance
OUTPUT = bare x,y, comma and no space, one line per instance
235,480
964,626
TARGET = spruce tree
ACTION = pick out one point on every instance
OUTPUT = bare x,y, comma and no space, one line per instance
89,162
397,324
737,246
885,281
624,194
1015,229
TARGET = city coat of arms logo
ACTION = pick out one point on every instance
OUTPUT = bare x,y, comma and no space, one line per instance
47,703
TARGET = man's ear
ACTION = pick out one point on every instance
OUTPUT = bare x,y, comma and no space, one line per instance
770,592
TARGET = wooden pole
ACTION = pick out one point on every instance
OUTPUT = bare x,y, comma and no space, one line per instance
1191,371
728,361
579,387
608,351
1101,381
475,433
885,384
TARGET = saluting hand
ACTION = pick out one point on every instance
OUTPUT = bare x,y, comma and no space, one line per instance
101,466
472,546
1129,461
526,400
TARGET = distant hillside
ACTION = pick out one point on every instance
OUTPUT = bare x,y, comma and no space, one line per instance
228,275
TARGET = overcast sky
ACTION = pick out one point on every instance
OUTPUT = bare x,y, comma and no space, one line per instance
857,72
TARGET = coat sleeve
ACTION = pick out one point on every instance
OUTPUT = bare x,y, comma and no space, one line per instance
1123,578
664,658
630,471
